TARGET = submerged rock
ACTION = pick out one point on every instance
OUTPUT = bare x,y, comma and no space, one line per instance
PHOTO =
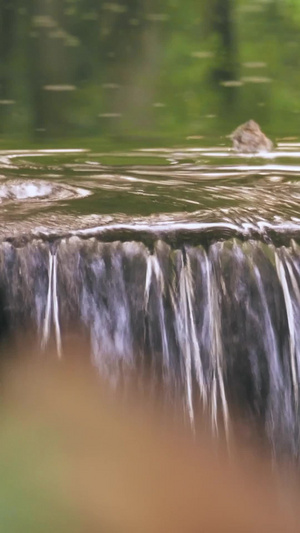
249,138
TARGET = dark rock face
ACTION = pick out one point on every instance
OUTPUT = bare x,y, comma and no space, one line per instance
248,138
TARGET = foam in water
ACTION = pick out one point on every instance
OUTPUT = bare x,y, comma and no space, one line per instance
23,191
33,190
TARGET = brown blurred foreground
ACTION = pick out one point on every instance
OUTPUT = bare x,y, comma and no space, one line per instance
74,458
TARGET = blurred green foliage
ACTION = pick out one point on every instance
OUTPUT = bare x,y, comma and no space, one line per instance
28,503
151,72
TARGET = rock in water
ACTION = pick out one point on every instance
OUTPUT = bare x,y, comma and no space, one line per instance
248,138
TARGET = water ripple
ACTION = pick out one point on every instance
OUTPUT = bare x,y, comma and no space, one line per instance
204,185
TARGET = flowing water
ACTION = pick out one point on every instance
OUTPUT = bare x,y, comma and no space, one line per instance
182,263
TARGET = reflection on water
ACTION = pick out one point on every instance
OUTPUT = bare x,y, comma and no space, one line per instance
166,71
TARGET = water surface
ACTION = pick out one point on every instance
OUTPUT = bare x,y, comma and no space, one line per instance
157,190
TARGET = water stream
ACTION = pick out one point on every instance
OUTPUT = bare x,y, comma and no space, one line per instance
181,263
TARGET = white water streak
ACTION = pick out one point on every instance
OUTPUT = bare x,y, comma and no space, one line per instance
153,269
47,319
187,344
269,337
293,281
55,308
216,352
291,322
191,337
52,307
150,268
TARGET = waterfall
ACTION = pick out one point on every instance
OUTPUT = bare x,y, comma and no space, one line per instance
215,323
